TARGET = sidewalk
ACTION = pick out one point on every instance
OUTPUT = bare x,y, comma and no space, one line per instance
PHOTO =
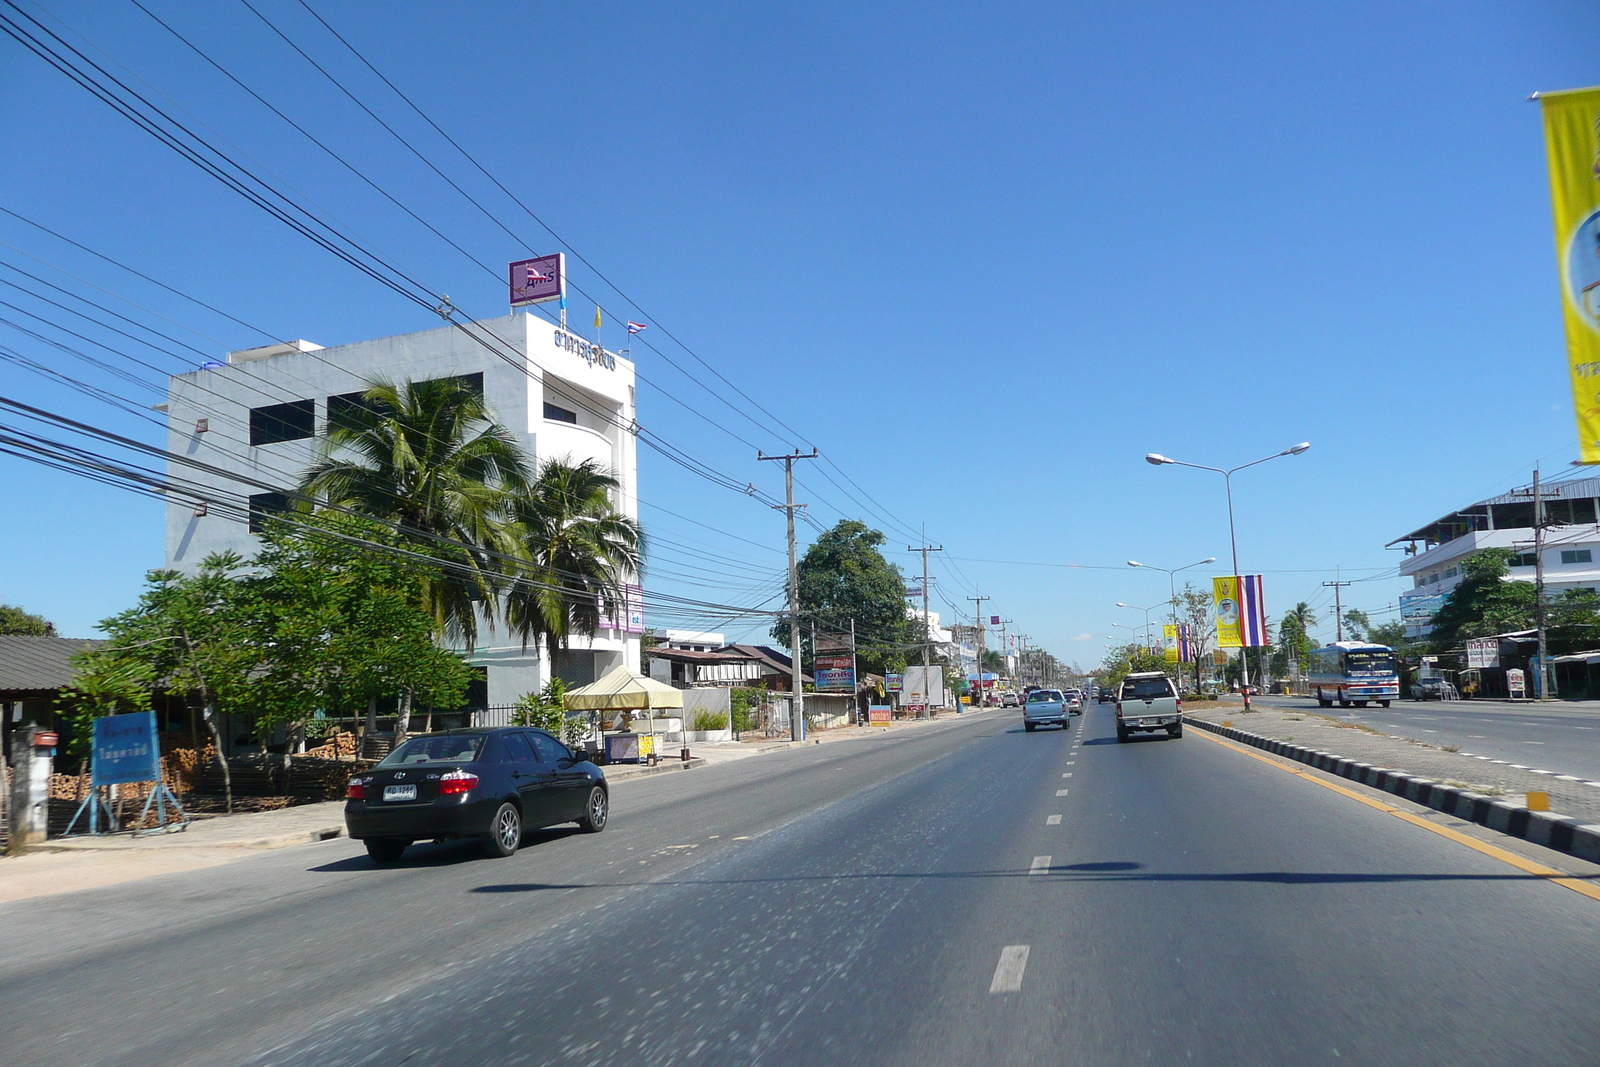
65,865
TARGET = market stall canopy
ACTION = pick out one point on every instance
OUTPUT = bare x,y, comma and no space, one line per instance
619,689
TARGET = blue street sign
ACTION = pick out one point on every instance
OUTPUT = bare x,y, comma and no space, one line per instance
125,749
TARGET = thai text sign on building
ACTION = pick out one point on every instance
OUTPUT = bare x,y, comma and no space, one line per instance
834,665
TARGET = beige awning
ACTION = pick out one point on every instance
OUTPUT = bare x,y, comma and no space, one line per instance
619,689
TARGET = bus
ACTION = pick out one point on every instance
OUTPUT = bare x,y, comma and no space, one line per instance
1353,672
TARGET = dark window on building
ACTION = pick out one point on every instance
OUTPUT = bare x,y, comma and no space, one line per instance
1513,516
1583,511
473,383
1525,559
293,421
1577,555
264,504
347,410
559,414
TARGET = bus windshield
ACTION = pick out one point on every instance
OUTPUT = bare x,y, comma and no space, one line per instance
1379,661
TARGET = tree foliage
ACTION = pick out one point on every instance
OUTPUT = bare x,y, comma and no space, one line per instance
1485,603
13,620
844,576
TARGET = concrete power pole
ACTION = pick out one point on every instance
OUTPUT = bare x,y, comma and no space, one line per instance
1338,609
1538,584
797,717
977,618
927,629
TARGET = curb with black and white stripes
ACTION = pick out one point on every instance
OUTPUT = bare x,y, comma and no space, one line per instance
1560,832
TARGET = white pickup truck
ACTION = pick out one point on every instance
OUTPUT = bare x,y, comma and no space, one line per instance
1149,702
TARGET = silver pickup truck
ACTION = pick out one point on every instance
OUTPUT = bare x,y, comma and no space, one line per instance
1149,702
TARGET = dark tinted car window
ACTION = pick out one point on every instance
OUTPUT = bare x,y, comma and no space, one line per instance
517,748
1146,689
549,749
436,748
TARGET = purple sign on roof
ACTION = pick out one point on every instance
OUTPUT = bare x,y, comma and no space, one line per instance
534,281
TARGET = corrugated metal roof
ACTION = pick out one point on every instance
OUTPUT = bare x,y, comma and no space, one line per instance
1570,489
39,662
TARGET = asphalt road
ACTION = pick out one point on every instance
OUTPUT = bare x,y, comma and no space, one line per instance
1563,738
898,902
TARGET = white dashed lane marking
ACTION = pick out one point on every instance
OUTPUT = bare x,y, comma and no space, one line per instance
1040,865
1052,820
1066,774
1061,792
1008,972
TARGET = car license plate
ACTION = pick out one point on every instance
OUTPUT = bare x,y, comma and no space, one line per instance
399,792
1149,722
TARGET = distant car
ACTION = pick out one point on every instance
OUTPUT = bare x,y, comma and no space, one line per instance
1008,699
1074,700
1428,689
1148,702
490,784
1045,707
1104,695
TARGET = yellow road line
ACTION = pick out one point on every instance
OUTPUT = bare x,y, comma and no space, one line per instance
1521,863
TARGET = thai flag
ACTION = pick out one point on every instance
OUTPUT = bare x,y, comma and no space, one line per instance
637,327
535,276
1253,612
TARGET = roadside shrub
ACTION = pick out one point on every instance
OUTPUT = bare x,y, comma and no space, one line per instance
710,720
543,711
747,702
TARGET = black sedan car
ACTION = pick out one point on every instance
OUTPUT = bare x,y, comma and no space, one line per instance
490,784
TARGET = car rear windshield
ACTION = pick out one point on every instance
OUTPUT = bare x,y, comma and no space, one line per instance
1043,696
438,748
1146,689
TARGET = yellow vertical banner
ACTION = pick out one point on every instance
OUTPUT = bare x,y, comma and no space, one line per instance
1169,634
1572,140
1225,593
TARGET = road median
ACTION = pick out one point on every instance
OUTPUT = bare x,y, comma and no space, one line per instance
1563,833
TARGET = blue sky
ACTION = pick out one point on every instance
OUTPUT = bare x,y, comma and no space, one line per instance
985,257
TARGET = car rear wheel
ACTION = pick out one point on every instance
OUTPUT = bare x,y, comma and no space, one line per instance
385,849
1028,726
1122,732
596,810
1361,703
1383,703
505,832
1175,731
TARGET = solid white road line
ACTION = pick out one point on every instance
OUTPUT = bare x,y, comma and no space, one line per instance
1040,865
1052,820
1008,972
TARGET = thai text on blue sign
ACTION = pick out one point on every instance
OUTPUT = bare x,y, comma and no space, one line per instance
125,749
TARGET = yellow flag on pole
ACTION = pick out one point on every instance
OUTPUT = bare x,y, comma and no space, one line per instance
1225,593
1572,141
597,316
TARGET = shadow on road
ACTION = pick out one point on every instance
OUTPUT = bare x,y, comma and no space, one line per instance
440,853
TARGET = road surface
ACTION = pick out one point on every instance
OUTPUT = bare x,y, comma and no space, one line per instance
909,901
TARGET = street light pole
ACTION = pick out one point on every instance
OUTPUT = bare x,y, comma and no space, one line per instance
1157,459
1172,587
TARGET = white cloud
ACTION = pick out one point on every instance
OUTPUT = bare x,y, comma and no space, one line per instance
1082,637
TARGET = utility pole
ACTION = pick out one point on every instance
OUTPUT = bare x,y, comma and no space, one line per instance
1338,608
927,628
1538,584
977,617
797,717
1005,642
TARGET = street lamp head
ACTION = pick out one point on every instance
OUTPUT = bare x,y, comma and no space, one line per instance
1135,563
1156,459
1209,559
1297,449
1120,604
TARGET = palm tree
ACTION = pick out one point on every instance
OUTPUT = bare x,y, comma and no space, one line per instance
579,553
428,459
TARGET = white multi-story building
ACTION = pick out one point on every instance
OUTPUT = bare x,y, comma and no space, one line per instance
1434,553
255,422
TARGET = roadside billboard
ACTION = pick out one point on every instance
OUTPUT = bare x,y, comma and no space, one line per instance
833,664
1483,652
924,685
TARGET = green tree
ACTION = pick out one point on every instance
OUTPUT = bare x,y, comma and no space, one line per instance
844,576
1392,634
1356,624
345,623
189,634
1294,637
428,460
579,550
13,620
1485,603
